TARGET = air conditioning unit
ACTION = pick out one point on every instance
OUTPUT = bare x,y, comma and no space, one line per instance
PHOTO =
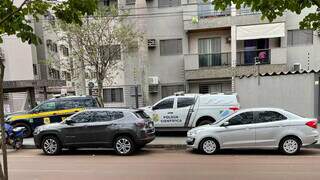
228,39
152,43
153,80
296,67
153,89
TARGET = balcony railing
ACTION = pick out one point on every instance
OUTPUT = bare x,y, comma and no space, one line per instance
207,10
249,57
216,59
246,11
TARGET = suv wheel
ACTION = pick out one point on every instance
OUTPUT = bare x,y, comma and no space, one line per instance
209,146
51,145
290,145
124,145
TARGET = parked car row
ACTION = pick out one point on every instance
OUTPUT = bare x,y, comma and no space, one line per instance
216,122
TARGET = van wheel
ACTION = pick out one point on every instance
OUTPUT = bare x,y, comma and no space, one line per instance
51,145
290,145
124,145
209,146
27,131
204,122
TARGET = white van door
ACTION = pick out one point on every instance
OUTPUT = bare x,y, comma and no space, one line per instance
163,115
184,110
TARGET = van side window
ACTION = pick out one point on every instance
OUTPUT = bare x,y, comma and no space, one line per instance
269,116
48,106
240,119
165,104
185,102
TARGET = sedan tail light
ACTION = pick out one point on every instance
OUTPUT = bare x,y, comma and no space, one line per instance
312,124
141,124
234,108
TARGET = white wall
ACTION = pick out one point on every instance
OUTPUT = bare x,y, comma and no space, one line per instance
295,93
18,59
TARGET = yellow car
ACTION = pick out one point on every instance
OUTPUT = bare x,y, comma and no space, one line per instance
51,111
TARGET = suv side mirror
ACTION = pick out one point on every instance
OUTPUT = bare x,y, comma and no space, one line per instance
225,124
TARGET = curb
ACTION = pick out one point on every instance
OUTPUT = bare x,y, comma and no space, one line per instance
152,146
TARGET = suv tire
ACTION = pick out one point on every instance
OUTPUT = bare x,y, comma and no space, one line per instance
51,145
290,145
124,145
209,146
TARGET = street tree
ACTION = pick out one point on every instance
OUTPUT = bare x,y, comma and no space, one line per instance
98,44
271,9
16,18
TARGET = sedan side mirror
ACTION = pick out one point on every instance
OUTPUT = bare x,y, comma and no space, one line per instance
225,124
69,122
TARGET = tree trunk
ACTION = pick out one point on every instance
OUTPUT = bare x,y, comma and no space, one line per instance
4,173
100,89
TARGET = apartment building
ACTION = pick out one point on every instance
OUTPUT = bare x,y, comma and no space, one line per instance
29,76
196,49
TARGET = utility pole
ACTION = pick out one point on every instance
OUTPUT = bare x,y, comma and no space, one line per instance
141,8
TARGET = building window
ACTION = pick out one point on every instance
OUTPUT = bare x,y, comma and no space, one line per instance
35,69
300,37
106,2
170,47
112,95
113,52
210,53
169,90
130,1
53,47
169,3
65,50
215,88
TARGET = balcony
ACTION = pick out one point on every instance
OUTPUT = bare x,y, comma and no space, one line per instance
196,61
218,65
208,18
249,57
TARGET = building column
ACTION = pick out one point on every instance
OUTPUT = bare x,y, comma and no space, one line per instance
233,55
32,96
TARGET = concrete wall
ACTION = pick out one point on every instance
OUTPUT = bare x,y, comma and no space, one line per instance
307,55
296,93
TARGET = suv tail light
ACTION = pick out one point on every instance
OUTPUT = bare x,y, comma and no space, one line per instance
234,108
141,124
312,124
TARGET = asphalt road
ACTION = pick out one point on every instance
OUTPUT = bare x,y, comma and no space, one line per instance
164,164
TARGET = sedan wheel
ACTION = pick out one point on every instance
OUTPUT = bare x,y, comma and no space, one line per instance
209,146
123,145
51,145
290,146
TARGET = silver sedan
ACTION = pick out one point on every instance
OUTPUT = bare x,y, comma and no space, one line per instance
256,128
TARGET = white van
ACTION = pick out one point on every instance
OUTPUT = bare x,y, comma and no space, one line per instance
191,110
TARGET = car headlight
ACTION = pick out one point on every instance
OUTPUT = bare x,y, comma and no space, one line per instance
37,131
193,132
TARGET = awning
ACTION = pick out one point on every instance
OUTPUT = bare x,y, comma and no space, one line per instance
260,31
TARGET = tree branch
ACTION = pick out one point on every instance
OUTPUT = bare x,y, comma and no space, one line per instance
13,12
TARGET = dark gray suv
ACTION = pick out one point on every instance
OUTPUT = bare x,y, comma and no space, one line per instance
123,129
